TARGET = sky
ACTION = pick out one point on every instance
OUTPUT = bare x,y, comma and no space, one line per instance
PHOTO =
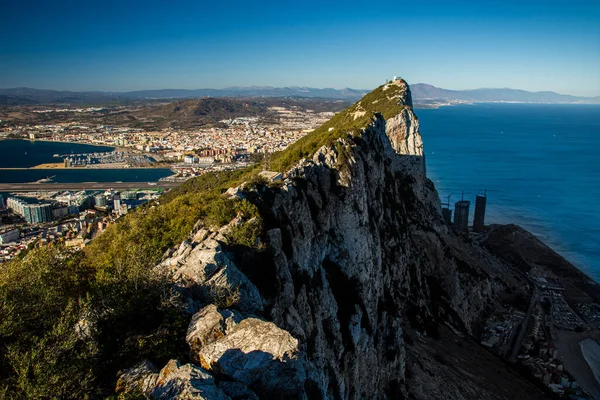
134,45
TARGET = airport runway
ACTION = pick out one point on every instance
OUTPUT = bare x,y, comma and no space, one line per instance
34,187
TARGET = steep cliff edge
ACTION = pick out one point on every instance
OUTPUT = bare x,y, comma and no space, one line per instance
358,288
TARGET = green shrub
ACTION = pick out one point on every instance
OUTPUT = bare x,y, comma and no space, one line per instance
57,364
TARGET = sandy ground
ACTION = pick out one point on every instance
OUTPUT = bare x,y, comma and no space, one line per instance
50,166
569,352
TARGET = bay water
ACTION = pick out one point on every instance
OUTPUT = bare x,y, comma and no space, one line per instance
29,153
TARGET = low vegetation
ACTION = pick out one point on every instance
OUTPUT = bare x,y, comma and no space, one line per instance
350,122
69,322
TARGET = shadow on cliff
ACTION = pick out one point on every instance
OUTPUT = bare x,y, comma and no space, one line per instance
258,266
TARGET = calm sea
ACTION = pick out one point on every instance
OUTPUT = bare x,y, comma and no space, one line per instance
25,153
540,165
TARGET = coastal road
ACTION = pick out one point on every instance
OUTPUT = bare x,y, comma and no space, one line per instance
34,187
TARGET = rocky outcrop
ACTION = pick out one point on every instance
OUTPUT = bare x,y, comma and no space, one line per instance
260,355
176,381
139,379
205,272
359,263
209,325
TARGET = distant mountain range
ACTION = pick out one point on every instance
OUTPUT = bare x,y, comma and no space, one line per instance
420,92
28,96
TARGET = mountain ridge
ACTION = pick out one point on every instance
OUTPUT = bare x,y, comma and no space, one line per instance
421,91
359,274
424,91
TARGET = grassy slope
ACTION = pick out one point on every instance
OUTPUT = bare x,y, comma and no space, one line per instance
348,122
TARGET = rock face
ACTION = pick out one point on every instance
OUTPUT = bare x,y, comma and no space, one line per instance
359,260
403,131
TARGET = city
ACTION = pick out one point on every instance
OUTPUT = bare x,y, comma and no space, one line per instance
227,144
70,218
74,217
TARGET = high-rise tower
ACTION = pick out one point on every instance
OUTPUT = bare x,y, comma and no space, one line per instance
479,218
461,215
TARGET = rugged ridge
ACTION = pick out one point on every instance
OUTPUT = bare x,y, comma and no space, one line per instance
360,291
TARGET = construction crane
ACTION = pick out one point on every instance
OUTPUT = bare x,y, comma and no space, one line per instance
487,190
447,203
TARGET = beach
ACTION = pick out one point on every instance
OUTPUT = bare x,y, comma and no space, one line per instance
570,346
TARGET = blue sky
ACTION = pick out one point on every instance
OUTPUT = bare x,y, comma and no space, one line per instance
130,45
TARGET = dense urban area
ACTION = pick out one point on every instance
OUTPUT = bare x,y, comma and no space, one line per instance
220,145
75,217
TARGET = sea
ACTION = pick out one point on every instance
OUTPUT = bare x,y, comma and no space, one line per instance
538,164
29,153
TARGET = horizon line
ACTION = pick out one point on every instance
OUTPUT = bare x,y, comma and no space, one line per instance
291,87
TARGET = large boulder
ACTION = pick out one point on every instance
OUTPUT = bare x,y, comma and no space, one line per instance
260,355
188,381
207,272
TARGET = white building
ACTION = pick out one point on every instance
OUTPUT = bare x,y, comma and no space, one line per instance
190,159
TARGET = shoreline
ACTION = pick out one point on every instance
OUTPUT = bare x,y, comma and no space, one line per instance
62,141
570,352
589,349
108,167
529,253
51,166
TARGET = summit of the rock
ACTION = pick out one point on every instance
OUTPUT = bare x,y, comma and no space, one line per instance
391,102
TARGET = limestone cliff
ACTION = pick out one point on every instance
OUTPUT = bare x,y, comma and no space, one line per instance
362,291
